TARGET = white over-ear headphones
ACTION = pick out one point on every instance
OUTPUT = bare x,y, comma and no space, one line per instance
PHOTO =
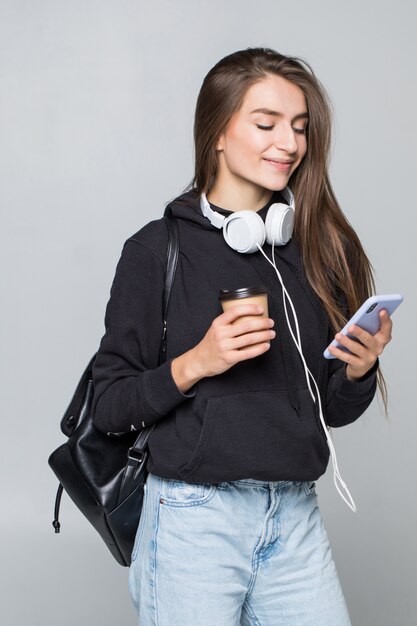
244,230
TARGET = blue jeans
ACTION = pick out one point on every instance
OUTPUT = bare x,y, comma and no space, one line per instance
246,552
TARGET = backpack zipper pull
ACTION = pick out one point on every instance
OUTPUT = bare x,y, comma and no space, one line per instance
56,523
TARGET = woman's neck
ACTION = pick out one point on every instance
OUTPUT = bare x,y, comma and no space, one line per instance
239,197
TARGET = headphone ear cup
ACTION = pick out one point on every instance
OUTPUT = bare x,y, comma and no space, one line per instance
279,224
243,230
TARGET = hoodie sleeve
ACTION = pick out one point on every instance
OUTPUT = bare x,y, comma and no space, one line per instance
130,389
346,399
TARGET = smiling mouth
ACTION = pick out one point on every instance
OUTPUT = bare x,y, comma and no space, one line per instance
279,161
281,166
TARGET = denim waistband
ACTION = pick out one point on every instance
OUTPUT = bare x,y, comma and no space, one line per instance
253,482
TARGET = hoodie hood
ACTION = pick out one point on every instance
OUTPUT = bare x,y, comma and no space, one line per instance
187,207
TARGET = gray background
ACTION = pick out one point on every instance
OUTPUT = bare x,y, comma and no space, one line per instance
96,109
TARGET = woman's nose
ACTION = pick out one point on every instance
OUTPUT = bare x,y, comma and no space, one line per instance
285,139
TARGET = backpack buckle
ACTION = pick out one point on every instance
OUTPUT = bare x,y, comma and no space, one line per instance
135,455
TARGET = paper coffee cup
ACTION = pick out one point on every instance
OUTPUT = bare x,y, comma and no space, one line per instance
246,295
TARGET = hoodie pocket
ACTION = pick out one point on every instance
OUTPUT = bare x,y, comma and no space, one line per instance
256,431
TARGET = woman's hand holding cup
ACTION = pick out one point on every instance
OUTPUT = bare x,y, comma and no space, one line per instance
243,331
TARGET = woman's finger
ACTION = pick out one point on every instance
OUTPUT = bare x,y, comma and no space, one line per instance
347,357
364,337
250,339
357,348
386,325
250,352
229,316
250,324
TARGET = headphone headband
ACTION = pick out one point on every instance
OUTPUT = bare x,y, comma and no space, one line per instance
217,219
245,230
213,216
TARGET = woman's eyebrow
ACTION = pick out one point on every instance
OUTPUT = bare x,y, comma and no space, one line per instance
299,116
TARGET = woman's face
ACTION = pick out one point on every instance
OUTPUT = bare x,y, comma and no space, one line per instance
265,140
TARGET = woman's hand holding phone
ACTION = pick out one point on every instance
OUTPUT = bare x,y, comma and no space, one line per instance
363,353
364,337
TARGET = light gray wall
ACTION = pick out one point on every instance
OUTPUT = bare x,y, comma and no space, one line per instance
96,109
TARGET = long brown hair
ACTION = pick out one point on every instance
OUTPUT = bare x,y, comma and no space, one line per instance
338,269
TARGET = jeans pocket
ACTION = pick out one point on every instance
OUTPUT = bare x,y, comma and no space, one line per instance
180,493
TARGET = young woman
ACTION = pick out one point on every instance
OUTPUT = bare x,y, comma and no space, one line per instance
231,531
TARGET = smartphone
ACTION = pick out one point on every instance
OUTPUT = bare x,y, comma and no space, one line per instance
367,317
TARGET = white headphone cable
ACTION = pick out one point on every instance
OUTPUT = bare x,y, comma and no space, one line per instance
337,478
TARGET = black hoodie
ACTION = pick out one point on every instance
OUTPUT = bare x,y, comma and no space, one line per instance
256,420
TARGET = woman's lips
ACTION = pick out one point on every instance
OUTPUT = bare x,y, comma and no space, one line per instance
281,167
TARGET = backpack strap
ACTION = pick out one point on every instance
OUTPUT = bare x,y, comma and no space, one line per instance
137,453
171,268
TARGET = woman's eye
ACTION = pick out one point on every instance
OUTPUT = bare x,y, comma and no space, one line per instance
298,131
